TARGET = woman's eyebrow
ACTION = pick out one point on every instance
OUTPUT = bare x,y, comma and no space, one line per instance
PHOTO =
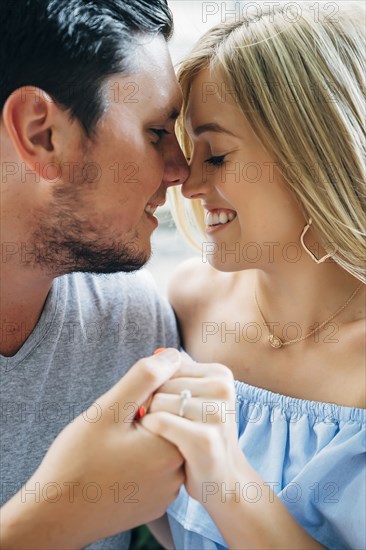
212,127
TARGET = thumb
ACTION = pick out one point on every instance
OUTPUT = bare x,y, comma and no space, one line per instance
145,377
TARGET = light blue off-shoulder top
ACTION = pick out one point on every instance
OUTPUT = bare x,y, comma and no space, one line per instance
312,454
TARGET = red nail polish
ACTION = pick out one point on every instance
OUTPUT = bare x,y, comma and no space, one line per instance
141,411
159,350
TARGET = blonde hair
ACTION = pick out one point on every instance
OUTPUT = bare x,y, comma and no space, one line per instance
267,58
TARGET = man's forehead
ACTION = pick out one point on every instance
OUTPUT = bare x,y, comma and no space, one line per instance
141,93
163,97
151,84
160,88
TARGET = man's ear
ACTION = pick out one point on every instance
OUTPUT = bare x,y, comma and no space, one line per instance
29,116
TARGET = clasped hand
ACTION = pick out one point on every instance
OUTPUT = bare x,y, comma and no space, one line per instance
111,453
206,435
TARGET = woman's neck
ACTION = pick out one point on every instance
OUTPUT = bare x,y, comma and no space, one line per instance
307,296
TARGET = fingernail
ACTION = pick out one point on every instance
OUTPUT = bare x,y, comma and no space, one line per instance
159,350
141,411
170,355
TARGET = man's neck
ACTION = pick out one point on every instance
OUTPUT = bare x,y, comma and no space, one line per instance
23,294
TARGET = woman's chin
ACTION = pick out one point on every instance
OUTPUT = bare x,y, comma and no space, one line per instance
225,266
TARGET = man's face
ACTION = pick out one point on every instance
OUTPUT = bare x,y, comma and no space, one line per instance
100,219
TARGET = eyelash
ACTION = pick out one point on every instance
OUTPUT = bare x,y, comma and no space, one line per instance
160,132
216,161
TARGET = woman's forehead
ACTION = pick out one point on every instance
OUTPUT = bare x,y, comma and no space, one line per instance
211,100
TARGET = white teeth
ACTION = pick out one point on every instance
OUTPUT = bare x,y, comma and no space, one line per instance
150,209
219,217
223,217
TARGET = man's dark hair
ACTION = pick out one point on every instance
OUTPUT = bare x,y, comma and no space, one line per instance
68,47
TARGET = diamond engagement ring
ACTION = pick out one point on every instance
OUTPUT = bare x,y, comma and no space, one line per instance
185,397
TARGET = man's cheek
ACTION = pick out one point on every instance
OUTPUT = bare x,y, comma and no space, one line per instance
127,219
125,172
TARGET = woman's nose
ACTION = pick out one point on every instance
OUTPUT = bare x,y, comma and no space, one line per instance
196,185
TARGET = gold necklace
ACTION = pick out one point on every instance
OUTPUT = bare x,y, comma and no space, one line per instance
277,343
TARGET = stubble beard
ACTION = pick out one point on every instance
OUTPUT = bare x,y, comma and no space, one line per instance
66,241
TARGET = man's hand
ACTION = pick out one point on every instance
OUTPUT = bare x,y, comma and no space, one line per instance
103,474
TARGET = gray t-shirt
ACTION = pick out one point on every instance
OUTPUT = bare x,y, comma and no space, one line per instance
93,328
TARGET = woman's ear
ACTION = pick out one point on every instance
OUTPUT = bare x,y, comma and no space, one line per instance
30,117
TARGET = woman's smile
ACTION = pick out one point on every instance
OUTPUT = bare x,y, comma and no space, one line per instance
218,218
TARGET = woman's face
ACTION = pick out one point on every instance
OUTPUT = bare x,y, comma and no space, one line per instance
252,219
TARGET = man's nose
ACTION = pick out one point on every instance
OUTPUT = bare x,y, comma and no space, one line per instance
176,169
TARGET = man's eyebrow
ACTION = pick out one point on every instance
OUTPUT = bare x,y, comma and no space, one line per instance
174,114
211,127
168,114
165,116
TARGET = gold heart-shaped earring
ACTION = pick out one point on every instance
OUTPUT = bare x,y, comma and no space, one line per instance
313,257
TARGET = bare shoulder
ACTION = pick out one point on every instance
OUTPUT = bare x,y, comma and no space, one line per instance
191,285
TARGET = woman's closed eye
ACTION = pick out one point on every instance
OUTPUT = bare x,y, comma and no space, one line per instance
216,161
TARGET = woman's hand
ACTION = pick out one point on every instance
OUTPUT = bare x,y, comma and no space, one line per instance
216,468
206,435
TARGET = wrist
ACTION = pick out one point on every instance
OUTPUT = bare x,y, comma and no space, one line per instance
236,503
31,523
247,509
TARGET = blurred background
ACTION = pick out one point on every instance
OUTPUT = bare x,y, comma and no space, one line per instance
192,18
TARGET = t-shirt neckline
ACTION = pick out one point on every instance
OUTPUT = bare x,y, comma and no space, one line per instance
51,310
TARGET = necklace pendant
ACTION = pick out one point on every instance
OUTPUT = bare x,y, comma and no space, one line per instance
275,341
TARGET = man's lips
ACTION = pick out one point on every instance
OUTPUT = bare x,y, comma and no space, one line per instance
150,208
